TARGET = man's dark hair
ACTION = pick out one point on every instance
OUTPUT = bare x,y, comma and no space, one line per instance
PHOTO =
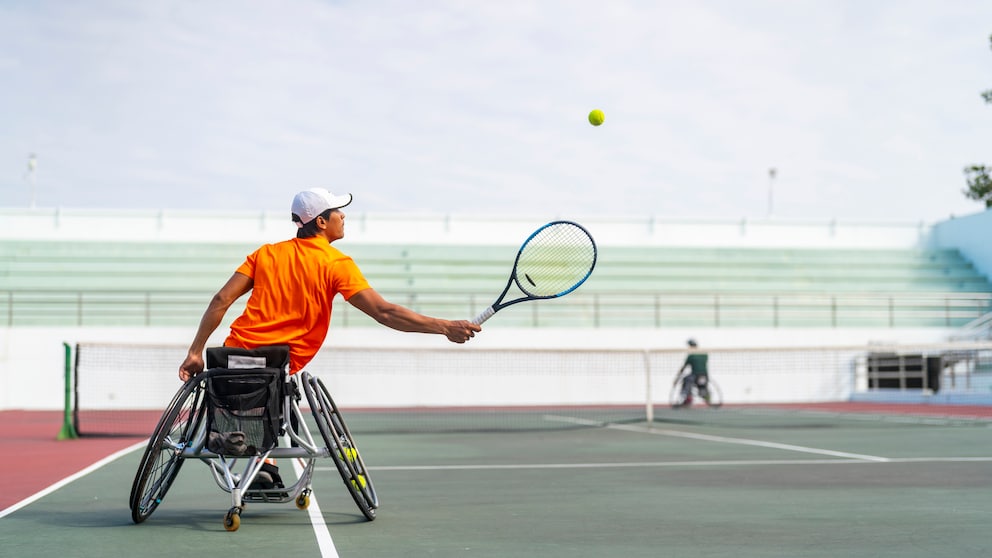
310,229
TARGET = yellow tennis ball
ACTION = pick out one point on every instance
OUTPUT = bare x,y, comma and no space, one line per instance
596,117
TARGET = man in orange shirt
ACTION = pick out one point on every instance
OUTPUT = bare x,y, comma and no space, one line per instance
292,285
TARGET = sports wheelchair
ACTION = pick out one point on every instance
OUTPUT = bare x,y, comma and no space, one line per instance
704,387
232,417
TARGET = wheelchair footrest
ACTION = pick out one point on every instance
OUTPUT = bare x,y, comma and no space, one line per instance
267,496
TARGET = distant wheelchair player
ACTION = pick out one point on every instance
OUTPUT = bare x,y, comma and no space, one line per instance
697,380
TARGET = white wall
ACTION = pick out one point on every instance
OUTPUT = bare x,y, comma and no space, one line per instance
32,358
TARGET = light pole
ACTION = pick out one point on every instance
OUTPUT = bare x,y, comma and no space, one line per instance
771,188
32,165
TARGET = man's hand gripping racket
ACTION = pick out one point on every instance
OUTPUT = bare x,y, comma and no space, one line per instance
551,263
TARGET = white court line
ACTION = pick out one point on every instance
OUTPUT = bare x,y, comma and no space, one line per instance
721,439
632,464
940,459
327,549
655,464
324,540
966,420
38,495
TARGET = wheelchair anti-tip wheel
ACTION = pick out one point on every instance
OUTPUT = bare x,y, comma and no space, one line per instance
163,456
341,445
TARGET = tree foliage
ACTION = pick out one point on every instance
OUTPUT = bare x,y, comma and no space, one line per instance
987,94
979,184
979,177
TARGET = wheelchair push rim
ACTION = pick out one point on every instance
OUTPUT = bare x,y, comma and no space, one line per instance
163,458
341,446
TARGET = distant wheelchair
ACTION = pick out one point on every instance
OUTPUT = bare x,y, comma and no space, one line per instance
704,388
232,418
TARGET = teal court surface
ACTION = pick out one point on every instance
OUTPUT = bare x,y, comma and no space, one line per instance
735,481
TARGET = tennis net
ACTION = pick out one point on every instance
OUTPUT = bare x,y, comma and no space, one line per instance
121,389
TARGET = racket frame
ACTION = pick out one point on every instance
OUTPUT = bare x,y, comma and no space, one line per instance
515,279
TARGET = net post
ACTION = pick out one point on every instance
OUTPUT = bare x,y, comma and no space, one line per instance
648,403
68,431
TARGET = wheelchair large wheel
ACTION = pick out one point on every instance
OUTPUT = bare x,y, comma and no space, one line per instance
715,400
163,456
675,397
342,446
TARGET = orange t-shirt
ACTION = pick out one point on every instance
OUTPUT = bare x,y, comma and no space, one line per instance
295,282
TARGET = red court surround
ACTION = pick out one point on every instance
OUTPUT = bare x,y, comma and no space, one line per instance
34,459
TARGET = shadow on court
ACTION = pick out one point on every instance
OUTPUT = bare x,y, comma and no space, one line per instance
731,482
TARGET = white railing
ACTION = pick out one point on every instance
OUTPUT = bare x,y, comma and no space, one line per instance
268,226
582,309
979,328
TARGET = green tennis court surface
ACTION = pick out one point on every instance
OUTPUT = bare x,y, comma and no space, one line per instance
737,482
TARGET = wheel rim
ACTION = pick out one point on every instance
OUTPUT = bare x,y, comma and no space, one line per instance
163,457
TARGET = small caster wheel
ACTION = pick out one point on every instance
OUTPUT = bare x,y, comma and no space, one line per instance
232,519
303,501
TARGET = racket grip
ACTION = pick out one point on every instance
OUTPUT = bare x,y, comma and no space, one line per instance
485,315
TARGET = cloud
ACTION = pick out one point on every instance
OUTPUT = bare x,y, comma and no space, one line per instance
868,111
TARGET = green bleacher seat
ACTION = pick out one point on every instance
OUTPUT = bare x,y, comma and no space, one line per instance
169,283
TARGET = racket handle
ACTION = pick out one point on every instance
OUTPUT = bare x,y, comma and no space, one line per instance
485,315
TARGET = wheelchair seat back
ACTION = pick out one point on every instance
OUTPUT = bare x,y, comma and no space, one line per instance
274,356
244,398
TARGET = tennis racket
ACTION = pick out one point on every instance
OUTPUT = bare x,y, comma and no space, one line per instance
551,263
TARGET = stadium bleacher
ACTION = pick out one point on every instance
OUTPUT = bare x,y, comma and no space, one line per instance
47,282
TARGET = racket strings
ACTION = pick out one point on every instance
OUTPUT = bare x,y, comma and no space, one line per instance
555,260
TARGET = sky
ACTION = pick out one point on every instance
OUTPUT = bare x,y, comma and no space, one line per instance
867,111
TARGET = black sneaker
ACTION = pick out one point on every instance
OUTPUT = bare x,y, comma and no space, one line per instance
267,478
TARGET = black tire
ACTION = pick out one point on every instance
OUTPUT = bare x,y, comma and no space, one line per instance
716,396
341,445
163,456
675,397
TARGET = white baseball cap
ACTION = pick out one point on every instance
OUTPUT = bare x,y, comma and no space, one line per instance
308,204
